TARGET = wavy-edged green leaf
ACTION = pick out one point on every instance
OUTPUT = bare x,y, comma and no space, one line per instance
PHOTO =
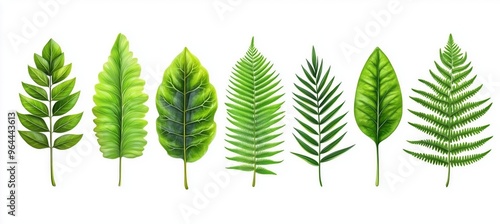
317,103
35,139
35,107
378,103
186,102
67,123
450,111
63,90
35,91
120,105
50,69
254,112
33,123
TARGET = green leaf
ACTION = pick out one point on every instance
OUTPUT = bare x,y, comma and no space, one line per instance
67,123
316,113
120,105
378,104
38,76
33,123
255,108
66,104
49,70
35,139
63,90
35,107
67,141
186,102
61,73
35,92
450,110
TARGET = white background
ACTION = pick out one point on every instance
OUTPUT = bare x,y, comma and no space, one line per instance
218,32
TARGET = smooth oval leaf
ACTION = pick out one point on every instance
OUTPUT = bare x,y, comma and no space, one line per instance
51,50
38,76
35,139
67,123
67,141
63,90
35,107
35,91
33,123
378,104
61,73
66,104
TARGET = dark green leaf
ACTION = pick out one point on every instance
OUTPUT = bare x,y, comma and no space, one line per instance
35,107
33,123
67,141
35,92
66,104
63,90
35,139
67,123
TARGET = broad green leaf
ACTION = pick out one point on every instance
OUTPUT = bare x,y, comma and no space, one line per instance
186,102
254,107
35,107
67,123
451,107
33,123
35,139
378,103
66,104
35,92
67,141
49,70
63,90
314,103
38,76
120,105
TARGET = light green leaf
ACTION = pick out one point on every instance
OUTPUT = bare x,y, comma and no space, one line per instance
33,123
186,102
120,105
38,76
67,141
35,139
378,104
35,107
451,109
41,63
61,73
255,108
66,104
35,92
67,123
63,90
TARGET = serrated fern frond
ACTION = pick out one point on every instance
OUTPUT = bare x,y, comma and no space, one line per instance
254,111
451,108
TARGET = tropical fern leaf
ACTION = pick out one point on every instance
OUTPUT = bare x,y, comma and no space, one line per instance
186,102
50,99
254,113
319,131
119,106
451,109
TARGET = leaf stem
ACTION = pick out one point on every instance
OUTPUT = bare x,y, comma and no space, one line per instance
52,180
120,172
449,171
253,181
377,175
185,173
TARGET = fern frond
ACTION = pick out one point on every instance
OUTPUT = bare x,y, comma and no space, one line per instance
450,111
316,101
254,111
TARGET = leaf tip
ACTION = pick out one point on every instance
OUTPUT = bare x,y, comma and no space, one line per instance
252,43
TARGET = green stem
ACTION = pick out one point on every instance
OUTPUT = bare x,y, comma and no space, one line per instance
52,180
253,181
449,171
185,174
120,172
377,176
319,174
